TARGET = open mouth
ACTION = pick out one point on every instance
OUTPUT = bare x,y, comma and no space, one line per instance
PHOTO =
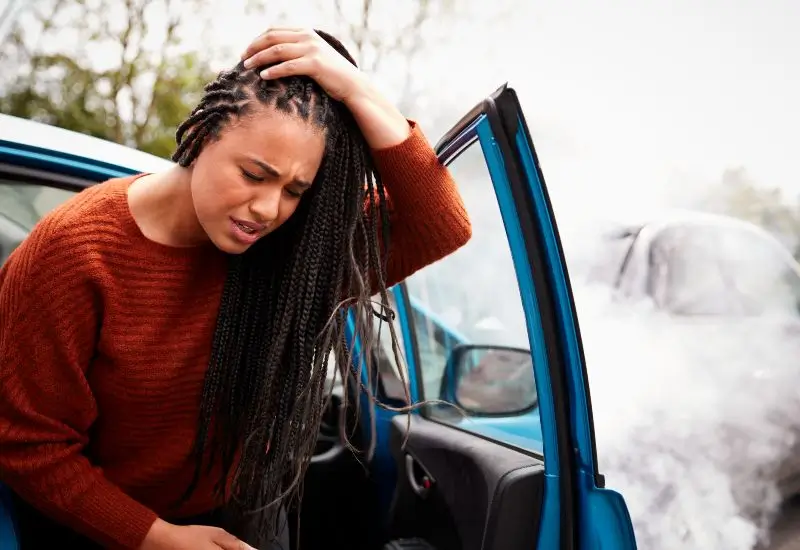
245,229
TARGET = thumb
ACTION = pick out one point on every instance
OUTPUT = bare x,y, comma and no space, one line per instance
226,541
233,545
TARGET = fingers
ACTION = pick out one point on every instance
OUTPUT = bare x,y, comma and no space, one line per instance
226,541
275,36
279,53
305,66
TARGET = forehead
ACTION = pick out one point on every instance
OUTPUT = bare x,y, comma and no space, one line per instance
271,134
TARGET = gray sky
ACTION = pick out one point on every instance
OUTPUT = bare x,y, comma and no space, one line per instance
629,100
637,96
642,101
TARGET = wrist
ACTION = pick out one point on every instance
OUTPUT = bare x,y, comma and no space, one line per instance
158,532
363,92
382,124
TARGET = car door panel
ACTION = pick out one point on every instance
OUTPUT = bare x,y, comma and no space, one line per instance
487,494
603,520
490,271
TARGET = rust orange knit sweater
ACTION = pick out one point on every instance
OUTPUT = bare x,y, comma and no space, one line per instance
105,339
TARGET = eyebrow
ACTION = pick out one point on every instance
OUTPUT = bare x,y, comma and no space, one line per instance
275,173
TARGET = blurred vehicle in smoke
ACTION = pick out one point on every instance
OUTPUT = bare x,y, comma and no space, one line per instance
699,264
714,273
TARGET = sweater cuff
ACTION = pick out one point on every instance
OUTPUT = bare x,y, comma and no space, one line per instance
388,157
125,520
411,170
107,515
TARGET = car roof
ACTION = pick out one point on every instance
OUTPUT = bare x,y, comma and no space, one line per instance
32,134
673,217
692,218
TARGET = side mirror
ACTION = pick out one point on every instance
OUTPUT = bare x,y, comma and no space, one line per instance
490,380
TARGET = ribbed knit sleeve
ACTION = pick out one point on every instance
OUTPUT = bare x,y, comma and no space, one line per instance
427,215
50,313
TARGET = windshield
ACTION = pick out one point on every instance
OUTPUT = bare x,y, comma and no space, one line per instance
722,270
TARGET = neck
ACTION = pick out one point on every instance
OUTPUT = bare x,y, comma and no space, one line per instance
162,206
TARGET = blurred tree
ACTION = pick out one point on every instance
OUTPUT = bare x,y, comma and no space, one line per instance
739,196
387,37
390,36
411,47
109,68
7,13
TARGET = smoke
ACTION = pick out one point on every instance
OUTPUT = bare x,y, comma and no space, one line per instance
692,418
695,415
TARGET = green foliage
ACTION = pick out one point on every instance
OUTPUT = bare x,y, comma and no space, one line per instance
739,196
119,69
138,100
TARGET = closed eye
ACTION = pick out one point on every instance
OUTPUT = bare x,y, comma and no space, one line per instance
251,176
293,193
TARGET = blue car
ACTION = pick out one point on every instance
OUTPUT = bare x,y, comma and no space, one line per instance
500,455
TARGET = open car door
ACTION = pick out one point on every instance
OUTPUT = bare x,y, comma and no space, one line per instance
504,458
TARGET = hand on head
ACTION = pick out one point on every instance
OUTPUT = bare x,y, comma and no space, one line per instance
303,52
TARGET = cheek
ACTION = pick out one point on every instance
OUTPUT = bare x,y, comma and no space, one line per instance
217,190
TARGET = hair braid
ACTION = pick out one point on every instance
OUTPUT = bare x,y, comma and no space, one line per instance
284,303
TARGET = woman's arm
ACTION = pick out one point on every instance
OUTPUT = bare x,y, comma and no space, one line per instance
427,217
427,214
49,318
379,120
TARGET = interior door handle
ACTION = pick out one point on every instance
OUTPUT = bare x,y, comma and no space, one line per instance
421,486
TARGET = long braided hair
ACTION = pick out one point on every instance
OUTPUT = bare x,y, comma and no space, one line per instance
284,303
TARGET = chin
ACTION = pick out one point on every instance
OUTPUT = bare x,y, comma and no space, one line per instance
230,246
235,251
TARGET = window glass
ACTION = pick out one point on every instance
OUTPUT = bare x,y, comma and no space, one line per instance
392,368
25,204
22,205
470,325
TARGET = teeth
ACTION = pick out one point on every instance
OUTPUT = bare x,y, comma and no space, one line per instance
245,228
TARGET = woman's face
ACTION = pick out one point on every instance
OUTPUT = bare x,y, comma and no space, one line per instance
247,183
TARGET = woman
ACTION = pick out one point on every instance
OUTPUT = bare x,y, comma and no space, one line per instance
214,290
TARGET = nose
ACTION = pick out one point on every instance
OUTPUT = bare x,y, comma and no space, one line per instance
265,206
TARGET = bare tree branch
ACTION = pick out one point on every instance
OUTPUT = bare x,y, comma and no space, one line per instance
5,15
173,22
403,44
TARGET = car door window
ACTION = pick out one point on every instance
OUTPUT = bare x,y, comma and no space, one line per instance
22,205
25,204
470,300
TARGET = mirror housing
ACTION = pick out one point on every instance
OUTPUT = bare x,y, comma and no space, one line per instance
487,380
